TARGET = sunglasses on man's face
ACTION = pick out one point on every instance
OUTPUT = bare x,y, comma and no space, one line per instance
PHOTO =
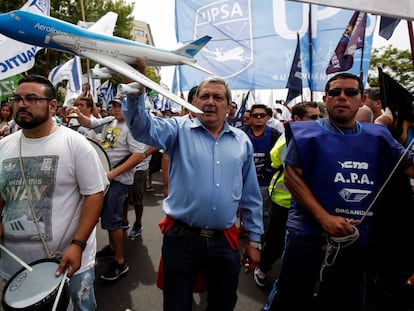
350,92
256,115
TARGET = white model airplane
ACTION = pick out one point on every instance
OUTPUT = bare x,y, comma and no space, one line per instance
110,51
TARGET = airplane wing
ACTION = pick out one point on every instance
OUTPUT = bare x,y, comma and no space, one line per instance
128,71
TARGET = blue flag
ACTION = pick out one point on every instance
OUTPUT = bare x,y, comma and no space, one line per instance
387,26
294,83
239,116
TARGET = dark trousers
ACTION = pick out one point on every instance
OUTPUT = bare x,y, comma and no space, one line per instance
298,287
274,238
186,253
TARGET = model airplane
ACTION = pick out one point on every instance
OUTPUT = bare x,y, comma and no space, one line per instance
110,51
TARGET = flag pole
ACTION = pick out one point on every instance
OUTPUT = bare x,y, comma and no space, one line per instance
310,51
411,36
84,19
361,69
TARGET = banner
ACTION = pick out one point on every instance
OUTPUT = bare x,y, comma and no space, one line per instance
15,56
398,9
254,42
8,85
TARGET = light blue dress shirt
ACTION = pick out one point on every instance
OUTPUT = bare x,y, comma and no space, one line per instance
209,179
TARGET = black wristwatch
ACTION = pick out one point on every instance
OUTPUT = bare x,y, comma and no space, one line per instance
81,244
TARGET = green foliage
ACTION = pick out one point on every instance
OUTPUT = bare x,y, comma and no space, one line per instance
397,63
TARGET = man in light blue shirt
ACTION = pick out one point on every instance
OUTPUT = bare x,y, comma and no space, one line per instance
212,177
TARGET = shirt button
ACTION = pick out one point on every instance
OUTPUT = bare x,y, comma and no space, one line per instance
214,208
217,185
218,162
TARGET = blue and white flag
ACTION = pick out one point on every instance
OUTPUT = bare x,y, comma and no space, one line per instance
17,57
253,42
106,94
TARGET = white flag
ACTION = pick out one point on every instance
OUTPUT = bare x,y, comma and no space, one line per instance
398,9
15,56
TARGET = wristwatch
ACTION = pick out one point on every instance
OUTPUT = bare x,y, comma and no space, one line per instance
256,245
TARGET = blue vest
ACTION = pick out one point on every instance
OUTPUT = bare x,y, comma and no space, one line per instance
344,172
262,146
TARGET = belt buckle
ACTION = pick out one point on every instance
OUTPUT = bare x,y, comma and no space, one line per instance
206,233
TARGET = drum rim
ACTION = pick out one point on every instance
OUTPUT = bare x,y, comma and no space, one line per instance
38,303
102,149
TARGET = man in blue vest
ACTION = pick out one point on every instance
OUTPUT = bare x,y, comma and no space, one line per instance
263,138
334,169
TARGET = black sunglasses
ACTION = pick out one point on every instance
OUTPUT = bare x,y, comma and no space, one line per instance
348,92
256,115
313,116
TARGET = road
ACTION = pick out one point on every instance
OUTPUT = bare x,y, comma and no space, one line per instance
137,290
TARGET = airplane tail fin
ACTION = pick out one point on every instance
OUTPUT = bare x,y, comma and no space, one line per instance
106,24
191,49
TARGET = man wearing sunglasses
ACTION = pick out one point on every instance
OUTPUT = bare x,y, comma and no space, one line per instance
334,168
263,138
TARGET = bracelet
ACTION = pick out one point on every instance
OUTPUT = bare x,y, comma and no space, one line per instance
145,154
81,244
256,245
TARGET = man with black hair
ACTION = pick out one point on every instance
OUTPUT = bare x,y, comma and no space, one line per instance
334,168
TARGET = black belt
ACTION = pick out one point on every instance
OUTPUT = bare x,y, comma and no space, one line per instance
208,233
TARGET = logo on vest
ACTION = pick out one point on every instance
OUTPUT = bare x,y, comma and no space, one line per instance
353,195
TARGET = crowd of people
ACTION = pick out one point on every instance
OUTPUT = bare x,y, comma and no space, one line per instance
314,191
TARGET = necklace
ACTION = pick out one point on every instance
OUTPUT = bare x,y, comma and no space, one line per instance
354,129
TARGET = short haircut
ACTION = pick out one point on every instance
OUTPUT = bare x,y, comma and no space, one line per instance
218,80
373,93
50,90
259,106
344,75
300,108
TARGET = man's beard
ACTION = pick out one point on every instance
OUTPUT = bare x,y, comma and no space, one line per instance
34,122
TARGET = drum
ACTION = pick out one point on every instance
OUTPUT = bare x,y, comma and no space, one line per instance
101,154
36,290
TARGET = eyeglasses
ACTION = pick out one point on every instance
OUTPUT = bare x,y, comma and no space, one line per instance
350,92
313,116
256,115
27,100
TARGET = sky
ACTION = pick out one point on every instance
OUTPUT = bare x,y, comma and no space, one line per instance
160,15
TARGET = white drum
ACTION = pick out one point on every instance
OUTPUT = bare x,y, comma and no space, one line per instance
101,154
36,290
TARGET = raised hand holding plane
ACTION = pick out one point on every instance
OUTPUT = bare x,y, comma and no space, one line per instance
113,52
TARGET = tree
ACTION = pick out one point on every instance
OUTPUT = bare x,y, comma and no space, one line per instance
397,63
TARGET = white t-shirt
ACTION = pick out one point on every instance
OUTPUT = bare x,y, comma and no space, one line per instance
117,141
58,169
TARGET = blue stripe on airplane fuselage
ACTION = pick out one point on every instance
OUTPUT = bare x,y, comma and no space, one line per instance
34,29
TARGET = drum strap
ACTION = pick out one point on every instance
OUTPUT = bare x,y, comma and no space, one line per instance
55,253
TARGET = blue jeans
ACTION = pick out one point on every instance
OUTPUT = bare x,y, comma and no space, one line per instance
298,286
82,291
185,253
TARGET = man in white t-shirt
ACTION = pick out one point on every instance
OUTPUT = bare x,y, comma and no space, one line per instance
51,192
124,153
